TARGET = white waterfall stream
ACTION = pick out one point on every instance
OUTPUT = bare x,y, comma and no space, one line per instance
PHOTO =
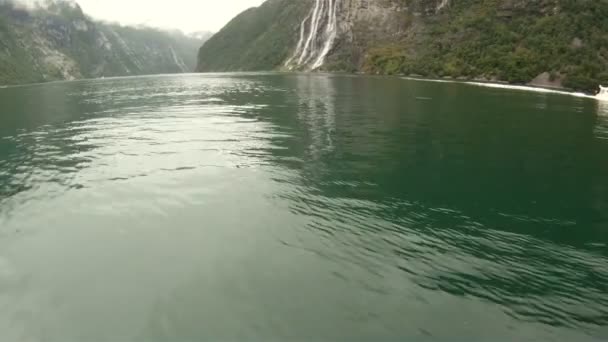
318,31
442,5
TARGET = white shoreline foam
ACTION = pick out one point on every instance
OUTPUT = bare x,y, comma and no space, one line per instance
510,86
473,83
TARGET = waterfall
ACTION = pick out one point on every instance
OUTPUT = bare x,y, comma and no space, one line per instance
318,31
442,4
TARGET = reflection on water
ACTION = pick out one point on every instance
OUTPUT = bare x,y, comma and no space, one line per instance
317,111
300,206
601,130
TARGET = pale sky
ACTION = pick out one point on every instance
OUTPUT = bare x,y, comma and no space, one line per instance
186,15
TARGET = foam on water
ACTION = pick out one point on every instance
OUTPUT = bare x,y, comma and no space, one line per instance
513,87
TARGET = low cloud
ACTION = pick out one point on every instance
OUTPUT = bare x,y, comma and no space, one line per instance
33,4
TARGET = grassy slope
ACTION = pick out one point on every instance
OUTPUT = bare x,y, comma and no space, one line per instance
257,39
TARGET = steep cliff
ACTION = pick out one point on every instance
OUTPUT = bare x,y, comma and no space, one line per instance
59,42
549,42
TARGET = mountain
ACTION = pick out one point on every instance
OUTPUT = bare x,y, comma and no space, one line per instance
201,35
59,42
257,39
558,43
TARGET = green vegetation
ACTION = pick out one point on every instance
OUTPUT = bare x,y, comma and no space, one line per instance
481,39
502,40
60,42
258,39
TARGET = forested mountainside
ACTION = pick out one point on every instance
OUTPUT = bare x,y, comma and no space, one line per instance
559,43
59,42
258,39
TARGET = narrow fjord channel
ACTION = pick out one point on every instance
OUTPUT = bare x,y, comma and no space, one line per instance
308,206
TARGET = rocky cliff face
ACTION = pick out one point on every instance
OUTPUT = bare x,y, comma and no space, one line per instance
368,24
341,31
59,42
558,42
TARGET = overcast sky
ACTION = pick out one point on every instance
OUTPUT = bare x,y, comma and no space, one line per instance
186,15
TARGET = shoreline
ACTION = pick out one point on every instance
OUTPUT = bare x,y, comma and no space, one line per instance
471,82
498,85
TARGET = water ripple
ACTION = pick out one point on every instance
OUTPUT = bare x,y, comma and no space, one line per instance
314,205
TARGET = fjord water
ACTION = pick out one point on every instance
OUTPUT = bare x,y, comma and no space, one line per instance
282,206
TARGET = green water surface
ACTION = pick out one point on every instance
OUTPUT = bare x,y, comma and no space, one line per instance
301,207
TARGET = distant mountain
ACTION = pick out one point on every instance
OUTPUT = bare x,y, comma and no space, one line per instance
559,43
59,42
201,35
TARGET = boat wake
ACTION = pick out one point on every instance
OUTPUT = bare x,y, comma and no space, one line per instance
603,94
518,87
528,88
